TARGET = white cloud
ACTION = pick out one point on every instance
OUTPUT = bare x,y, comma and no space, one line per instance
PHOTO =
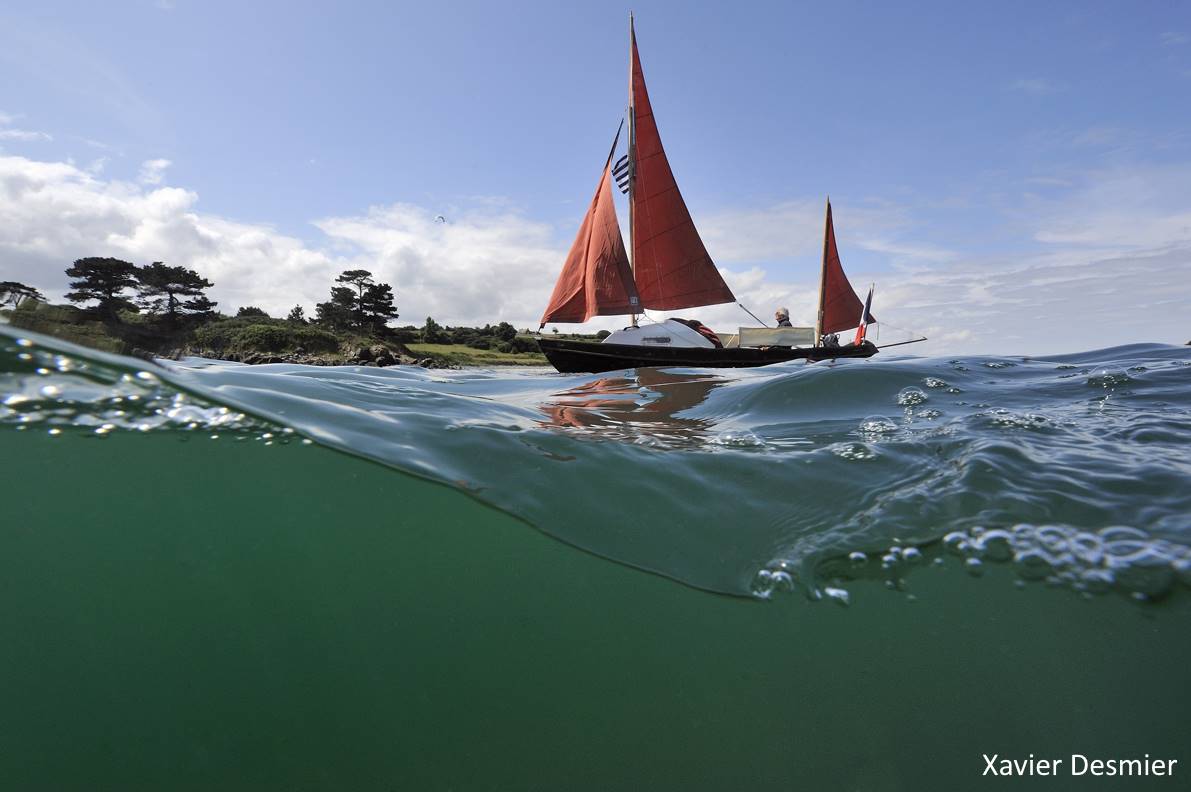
1174,38
24,135
153,171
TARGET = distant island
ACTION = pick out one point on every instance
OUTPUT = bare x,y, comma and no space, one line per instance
157,310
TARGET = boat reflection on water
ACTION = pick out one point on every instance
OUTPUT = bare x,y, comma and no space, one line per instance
642,408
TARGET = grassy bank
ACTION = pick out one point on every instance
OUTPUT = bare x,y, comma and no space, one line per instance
466,356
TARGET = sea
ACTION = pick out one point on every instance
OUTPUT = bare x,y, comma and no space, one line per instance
852,575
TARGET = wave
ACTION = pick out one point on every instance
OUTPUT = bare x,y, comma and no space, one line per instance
1076,468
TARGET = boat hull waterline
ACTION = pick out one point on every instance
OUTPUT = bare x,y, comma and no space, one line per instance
594,357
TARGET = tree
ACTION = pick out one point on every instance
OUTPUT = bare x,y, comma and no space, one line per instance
376,304
505,331
102,279
161,286
362,281
296,315
432,332
13,293
337,313
251,310
199,306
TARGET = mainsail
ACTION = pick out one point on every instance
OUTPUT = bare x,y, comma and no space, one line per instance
839,307
670,263
596,279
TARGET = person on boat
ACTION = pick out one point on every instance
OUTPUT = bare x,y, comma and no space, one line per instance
782,316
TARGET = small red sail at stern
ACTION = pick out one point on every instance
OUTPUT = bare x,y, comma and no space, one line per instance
840,306
670,263
596,279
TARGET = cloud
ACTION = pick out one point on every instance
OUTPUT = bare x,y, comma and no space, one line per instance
1036,86
7,132
24,135
1174,38
153,171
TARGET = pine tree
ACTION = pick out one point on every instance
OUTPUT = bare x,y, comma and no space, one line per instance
362,281
376,304
296,315
103,280
338,313
13,293
160,286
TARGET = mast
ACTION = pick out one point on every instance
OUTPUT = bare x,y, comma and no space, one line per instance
632,151
823,276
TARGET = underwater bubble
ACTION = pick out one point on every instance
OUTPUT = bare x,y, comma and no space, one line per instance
837,595
859,559
762,585
743,439
1182,569
1096,581
1117,532
974,566
781,581
956,542
1087,548
935,382
998,364
854,451
930,414
994,545
912,555
910,397
1032,564
878,424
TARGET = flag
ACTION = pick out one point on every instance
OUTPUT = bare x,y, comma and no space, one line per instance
865,318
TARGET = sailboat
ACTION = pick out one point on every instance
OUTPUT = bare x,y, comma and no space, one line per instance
670,270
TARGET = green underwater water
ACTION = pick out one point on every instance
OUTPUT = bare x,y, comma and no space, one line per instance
195,614
289,578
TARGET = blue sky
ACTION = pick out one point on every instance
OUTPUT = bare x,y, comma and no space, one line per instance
958,142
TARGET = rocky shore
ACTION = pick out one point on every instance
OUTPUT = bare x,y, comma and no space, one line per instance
376,355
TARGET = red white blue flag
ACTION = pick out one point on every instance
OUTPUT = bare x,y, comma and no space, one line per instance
865,318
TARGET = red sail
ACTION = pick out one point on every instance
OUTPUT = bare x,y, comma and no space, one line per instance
670,263
841,307
596,279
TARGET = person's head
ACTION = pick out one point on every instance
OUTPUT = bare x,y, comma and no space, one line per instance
781,313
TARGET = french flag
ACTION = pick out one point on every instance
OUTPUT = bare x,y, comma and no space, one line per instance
865,318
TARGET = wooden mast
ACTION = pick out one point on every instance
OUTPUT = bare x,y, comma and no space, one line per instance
823,275
632,152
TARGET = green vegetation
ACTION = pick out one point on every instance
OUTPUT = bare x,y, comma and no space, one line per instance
162,309
261,334
467,356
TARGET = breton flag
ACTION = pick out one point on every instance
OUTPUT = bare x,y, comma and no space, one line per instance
865,318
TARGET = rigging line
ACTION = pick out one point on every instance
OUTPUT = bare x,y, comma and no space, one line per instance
750,313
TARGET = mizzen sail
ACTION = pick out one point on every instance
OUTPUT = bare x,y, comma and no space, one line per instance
670,264
596,279
839,307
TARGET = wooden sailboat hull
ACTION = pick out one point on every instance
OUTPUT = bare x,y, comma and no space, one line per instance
593,357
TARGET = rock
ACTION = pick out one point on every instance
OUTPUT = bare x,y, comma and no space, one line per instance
362,354
382,356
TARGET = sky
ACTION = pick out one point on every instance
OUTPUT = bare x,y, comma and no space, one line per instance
1014,178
